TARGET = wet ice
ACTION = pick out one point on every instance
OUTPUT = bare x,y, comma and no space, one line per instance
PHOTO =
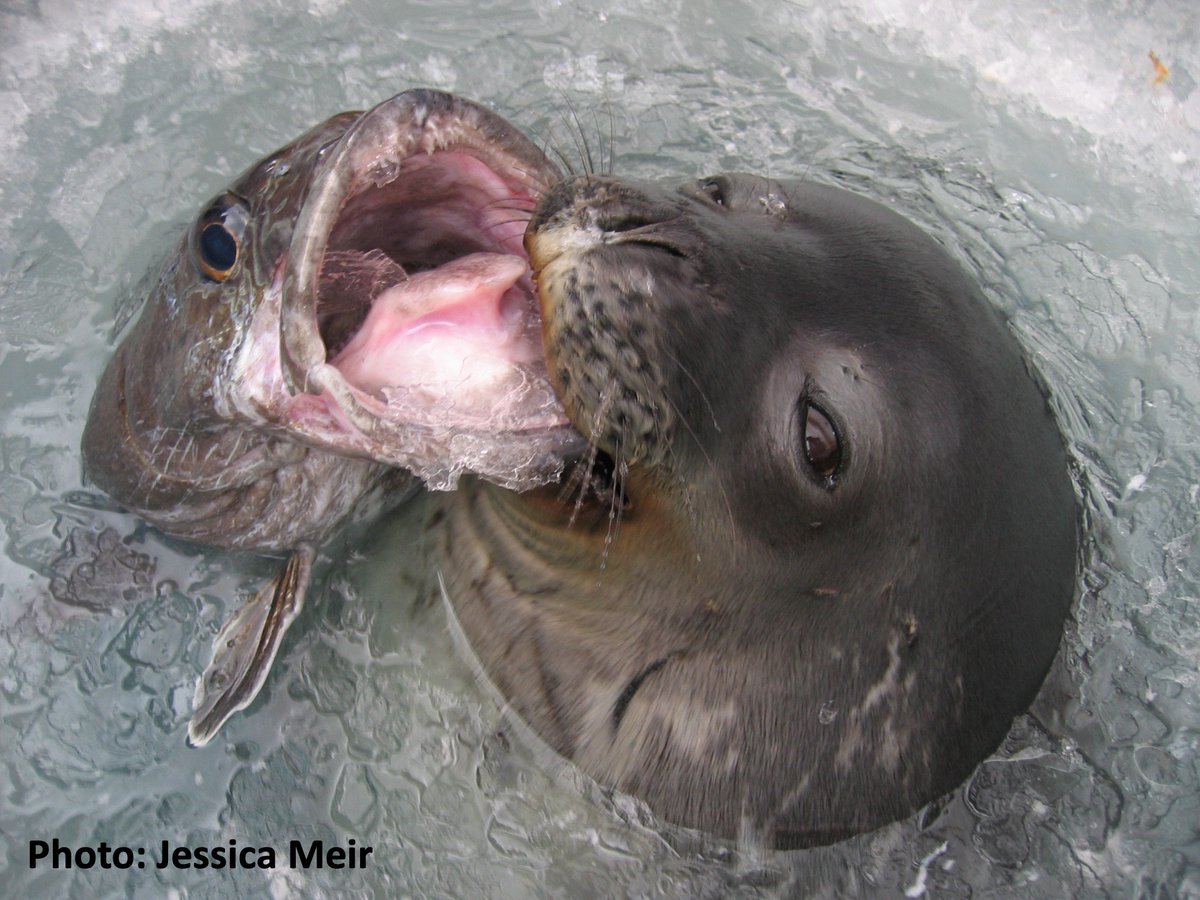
1032,141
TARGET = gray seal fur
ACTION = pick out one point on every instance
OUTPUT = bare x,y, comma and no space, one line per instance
771,624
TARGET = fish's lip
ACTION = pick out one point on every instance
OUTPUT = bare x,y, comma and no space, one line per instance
416,122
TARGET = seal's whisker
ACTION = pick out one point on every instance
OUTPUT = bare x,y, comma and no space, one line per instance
692,378
516,204
604,167
518,215
616,506
699,446
502,223
579,138
580,483
586,483
812,161
604,148
570,168
548,144
612,141
608,396
534,177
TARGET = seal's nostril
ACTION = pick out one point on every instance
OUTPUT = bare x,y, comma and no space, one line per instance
623,219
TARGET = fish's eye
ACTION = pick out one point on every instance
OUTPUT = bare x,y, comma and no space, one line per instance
217,237
819,440
714,189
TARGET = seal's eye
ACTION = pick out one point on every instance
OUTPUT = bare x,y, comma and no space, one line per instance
822,447
216,237
714,189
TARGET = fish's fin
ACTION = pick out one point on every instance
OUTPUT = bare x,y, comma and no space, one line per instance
246,647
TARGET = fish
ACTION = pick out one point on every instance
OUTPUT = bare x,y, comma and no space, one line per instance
350,319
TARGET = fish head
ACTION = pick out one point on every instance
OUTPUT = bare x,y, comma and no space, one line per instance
358,300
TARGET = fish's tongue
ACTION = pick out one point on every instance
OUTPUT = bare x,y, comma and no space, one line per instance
459,327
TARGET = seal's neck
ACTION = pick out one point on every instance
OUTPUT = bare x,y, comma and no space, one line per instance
605,548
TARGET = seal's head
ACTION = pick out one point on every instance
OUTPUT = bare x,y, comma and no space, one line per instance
821,552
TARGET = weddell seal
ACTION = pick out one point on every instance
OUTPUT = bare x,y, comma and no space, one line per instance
821,549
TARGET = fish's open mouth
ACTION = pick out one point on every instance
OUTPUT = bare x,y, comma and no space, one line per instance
407,300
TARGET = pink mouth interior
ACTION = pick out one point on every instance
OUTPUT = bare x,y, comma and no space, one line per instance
425,302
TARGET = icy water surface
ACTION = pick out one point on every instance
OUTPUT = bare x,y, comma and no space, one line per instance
1038,144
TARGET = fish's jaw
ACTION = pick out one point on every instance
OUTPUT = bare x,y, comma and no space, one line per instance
408,329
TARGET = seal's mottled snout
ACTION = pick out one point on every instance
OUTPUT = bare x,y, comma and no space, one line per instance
596,246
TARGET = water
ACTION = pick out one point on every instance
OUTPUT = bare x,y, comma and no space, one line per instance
1036,142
